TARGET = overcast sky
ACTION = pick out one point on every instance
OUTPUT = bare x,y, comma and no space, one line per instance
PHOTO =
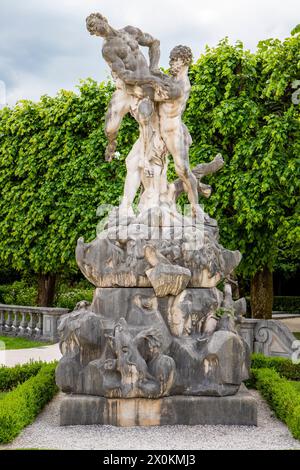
44,45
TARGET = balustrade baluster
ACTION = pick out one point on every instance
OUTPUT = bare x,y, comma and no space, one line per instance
23,324
31,324
9,321
2,320
39,325
16,323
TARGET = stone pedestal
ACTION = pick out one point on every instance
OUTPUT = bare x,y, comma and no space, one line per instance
239,409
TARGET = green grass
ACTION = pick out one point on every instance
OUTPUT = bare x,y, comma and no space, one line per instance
297,334
2,394
12,342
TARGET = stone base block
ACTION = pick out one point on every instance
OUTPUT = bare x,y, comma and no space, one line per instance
239,409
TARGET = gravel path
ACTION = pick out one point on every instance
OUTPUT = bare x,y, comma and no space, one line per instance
47,434
11,357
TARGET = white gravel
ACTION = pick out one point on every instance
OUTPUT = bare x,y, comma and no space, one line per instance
11,357
47,434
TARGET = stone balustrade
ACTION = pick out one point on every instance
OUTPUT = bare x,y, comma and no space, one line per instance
269,337
38,323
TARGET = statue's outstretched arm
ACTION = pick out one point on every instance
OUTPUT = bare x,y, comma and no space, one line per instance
129,77
146,40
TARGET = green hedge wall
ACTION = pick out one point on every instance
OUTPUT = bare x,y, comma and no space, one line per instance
281,396
285,367
21,293
10,377
19,407
286,304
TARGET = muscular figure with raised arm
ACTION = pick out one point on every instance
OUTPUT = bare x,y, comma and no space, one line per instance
129,67
156,100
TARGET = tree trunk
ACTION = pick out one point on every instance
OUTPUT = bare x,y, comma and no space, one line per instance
46,290
261,294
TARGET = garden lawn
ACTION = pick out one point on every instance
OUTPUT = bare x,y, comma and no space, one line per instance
12,342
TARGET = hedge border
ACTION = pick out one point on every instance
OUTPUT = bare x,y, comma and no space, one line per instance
284,366
11,377
20,406
281,396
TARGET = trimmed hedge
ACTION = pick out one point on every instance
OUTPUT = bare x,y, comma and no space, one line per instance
286,304
281,396
284,366
10,377
21,293
19,407
289,304
18,293
70,298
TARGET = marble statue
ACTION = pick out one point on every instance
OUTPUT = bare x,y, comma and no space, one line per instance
160,340
157,102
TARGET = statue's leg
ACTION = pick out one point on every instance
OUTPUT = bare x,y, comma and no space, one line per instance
179,149
133,176
118,107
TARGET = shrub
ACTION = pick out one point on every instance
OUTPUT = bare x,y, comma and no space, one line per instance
281,396
70,298
286,304
284,366
18,293
294,422
19,407
290,304
21,293
10,377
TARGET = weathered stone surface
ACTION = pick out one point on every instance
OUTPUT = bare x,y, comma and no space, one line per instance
240,409
167,279
117,258
216,364
165,346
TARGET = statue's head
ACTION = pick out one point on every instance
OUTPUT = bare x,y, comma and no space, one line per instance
97,25
180,56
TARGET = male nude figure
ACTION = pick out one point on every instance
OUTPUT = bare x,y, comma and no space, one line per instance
134,78
171,96
129,67
173,131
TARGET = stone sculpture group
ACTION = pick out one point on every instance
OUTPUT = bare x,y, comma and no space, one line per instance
158,325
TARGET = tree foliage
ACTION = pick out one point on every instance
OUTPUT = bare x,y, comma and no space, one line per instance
53,175
242,105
